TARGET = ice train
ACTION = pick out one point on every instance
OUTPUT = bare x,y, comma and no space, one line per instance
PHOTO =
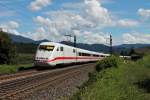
52,54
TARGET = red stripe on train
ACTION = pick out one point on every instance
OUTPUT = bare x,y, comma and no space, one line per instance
69,58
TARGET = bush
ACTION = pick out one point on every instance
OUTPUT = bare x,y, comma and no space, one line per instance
129,81
8,54
107,63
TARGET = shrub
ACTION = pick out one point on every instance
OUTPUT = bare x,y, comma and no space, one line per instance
144,61
8,54
112,61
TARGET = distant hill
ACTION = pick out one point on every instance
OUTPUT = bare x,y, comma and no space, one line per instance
21,39
143,50
91,47
129,46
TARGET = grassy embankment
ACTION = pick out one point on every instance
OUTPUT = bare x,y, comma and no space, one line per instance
24,61
116,79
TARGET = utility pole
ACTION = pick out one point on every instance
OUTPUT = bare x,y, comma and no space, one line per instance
74,36
111,44
75,44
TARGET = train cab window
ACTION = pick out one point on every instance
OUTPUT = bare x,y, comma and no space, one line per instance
61,49
46,47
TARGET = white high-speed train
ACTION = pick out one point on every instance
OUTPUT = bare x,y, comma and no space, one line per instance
51,54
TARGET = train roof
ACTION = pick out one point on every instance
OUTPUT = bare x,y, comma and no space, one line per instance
58,44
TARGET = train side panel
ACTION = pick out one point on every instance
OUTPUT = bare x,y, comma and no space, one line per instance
69,54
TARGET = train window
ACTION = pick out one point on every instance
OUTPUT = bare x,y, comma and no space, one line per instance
74,50
84,54
94,55
57,49
46,47
80,54
61,49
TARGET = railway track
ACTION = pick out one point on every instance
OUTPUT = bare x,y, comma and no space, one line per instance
16,75
16,87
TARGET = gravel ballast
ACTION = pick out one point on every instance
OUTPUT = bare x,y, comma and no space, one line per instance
64,89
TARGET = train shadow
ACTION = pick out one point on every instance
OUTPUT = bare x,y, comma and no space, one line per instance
144,84
26,68
59,66
71,64
38,68
41,68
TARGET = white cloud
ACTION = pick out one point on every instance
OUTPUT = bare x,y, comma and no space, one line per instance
11,27
97,13
92,17
63,22
35,35
77,33
42,21
144,13
70,20
128,23
135,37
39,4
40,30
91,38
39,34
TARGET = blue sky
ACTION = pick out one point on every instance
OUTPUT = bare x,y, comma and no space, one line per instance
91,20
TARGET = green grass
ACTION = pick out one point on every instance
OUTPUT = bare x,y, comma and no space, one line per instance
24,61
118,83
25,58
5,69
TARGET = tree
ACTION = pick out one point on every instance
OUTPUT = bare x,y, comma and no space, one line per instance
8,54
124,53
132,52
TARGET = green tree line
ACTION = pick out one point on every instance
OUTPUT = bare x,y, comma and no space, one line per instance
8,52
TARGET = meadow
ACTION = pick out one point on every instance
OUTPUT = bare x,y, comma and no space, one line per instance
24,60
117,79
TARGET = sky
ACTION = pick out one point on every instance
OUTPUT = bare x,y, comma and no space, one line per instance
92,21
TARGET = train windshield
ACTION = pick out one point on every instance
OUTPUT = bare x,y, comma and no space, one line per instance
46,47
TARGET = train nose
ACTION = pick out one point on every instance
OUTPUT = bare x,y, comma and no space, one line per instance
41,58
41,63
43,55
